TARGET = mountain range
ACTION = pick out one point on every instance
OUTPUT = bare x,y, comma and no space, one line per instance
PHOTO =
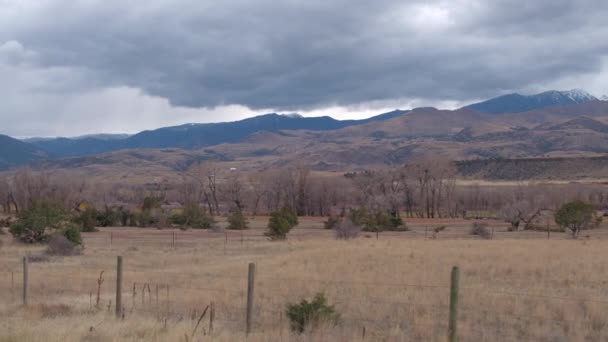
516,103
480,130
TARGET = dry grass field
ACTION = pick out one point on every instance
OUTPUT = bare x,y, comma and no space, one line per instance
516,287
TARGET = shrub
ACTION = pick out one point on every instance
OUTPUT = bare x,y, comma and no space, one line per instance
150,202
125,216
575,216
377,221
310,315
359,216
347,230
156,217
332,222
34,224
87,220
280,223
72,233
481,230
237,221
109,217
192,216
60,245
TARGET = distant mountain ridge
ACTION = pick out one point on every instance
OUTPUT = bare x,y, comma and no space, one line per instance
14,152
516,103
560,122
192,136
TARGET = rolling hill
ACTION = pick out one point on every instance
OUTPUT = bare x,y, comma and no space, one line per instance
192,136
14,152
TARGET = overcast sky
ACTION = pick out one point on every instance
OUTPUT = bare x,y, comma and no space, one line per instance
72,67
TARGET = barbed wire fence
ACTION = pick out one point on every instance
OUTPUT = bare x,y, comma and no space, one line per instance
256,304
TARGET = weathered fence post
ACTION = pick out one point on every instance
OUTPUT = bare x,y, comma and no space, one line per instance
250,289
492,237
173,241
25,279
111,238
211,317
453,320
118,286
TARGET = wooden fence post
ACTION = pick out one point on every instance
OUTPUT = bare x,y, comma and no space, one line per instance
118,286
211,317
173,241
250,289
453,320
25,279
111,238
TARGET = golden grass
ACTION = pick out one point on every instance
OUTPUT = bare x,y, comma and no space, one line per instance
396,288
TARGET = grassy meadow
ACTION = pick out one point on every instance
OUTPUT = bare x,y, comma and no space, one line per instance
516,287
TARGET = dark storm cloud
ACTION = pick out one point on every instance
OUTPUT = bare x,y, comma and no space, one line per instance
298,55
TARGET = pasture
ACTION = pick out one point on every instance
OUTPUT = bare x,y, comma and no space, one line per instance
519,286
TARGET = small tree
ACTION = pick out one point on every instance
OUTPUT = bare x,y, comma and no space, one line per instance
481,230
35,224
280,223
575,216
87,220
346,230
193,216
237,220
310,315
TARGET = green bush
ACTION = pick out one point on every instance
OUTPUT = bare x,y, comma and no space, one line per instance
237,221
151,202
310,315
280,223
109,217
192,216
72,233
34,224
377,221
87,220
125,216
575,216
60,245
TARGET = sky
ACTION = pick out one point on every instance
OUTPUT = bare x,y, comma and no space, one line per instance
70,68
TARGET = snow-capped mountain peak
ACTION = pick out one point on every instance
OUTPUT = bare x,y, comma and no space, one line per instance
578,95
515,103
604,98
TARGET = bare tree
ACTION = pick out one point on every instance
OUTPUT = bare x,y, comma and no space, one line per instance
257,190
520,212
5,195
233,191
207,177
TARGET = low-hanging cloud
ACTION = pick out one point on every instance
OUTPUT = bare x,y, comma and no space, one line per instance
286,55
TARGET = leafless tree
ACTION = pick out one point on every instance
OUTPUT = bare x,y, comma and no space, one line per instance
232,190
207,177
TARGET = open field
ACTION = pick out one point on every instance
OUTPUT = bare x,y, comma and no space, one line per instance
517,287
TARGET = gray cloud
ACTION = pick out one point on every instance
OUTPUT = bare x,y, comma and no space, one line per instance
296,55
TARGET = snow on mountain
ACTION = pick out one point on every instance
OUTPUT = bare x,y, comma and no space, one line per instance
578,95
515,103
